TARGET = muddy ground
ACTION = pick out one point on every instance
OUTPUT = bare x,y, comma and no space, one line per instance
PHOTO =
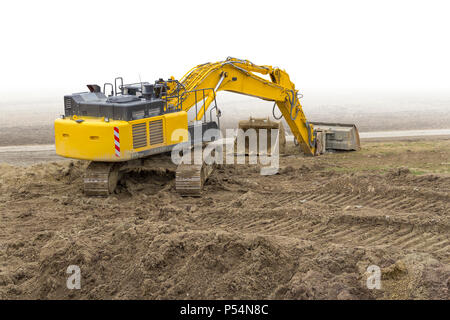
309,232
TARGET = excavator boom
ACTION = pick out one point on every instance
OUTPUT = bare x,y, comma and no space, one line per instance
240,76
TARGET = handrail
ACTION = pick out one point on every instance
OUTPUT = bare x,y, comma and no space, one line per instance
104,88
121,85
203,90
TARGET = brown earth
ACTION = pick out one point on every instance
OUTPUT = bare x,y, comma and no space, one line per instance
27,135
309,232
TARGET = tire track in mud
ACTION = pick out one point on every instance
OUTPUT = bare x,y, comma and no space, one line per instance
395,235
406,215
427,193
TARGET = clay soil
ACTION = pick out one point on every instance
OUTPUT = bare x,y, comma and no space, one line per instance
309,232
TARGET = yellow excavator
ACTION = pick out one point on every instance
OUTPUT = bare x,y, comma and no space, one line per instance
124,127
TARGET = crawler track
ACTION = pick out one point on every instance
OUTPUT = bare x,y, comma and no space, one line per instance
101,178
190,178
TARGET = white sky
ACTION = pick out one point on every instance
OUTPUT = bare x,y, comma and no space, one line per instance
56,47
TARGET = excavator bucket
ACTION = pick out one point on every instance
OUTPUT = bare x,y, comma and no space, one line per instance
257,124
336,136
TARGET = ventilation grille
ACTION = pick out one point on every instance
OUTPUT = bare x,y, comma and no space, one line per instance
156,132
139,135
68,106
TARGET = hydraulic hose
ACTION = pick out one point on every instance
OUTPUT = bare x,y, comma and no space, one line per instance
273,112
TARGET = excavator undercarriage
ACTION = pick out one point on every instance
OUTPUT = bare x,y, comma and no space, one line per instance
134,127
101,178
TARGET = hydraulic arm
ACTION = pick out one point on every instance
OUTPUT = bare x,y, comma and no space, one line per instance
240,76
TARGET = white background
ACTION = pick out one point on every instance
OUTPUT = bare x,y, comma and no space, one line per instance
56,47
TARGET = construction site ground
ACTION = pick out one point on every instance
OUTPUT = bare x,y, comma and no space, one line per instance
309,232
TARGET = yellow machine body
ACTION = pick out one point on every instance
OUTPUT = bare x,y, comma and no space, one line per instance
95,138
90,138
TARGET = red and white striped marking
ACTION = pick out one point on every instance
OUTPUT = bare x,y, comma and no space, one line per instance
117,141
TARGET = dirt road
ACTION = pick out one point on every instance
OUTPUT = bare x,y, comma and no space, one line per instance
23,154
